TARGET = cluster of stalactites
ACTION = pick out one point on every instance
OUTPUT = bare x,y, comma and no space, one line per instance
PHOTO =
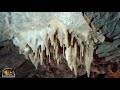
58,44
58,41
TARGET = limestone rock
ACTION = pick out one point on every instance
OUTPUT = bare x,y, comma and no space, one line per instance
5,29
109,24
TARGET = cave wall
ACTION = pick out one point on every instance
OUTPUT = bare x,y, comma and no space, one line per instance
109,24
5,29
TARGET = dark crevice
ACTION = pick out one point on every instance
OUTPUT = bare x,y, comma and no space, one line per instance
101,76
101,27
118,46
90,24
107,39
1,47
83,76
96,57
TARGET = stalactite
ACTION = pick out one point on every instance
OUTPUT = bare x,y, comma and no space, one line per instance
52,39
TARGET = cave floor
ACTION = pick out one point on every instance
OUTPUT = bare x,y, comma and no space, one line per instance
10,58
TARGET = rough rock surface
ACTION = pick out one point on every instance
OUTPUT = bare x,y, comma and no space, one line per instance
5,29
109,24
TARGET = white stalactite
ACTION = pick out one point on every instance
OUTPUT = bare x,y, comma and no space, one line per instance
55,34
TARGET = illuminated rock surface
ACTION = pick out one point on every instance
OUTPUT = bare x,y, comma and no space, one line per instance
40,35
43,36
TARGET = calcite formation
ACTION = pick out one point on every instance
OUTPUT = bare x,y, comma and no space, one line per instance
56,33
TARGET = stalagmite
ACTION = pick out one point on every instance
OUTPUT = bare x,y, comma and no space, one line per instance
58,34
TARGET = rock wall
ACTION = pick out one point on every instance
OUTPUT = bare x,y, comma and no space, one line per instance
109,24
5,29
